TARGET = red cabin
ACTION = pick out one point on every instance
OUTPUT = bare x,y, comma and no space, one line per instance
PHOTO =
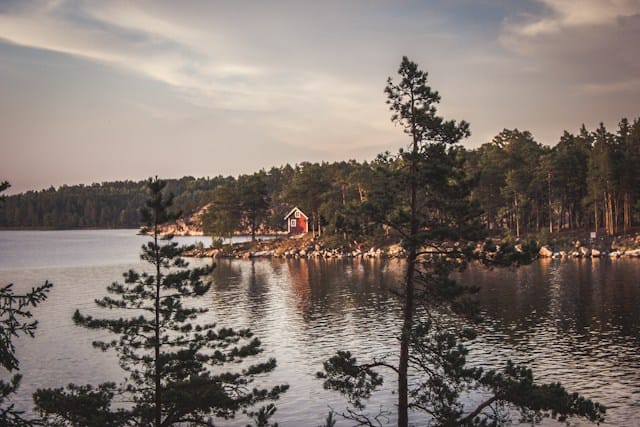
297,221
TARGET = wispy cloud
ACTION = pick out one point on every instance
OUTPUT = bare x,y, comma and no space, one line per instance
559,15
150,42
592,43
618,87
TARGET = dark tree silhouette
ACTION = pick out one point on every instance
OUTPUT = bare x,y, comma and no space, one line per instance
425,199
15,321
175,361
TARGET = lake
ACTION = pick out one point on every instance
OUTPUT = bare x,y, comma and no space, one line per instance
574,321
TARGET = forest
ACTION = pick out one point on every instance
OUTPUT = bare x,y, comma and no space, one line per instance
587,181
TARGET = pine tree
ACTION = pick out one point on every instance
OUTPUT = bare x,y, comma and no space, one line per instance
15,321
15,315
253,201
175,362
426,201
222,218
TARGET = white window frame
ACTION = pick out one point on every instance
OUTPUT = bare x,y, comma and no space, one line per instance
296,214
293,222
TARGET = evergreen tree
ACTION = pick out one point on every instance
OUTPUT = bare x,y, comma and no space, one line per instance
426,201
253,201
15,321
602,179
489,165
628,148
223,216
175,362
566,170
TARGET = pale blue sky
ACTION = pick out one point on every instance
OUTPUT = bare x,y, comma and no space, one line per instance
110,90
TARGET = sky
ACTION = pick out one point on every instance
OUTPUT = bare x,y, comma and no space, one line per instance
94,91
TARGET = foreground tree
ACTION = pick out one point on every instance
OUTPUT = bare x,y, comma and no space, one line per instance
175,362
15,321
426,202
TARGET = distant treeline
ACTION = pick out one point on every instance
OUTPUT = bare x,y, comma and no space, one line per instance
589,180
105,205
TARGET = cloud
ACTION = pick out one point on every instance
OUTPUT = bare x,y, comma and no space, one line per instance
559,15
587,44
619,87
292,81
273,68
202,62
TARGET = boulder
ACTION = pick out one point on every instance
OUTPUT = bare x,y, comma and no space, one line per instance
395,250
262,254
545,252
584,251
595,253
633,253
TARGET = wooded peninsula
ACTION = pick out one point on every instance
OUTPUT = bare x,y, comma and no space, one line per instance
587,181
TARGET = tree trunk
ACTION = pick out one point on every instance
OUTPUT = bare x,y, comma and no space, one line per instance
595,213
517,219
608,213
407,324
156,344
253,231
550,205
626,221
405,340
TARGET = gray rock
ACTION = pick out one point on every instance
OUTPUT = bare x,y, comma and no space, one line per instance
545,251
584,251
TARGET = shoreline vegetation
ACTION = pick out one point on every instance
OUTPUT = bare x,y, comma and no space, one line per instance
309,247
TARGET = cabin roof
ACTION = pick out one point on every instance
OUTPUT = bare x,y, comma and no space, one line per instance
292,211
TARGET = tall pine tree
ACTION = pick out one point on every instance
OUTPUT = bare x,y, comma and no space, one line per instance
175,361
426,201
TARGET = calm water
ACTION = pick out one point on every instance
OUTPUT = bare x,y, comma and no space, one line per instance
577,322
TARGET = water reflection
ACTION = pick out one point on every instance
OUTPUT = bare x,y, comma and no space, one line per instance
574,321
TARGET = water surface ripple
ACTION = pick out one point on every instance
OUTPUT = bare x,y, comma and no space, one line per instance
574,321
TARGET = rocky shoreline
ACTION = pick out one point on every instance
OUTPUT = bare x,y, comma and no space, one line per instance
586,252
295,247
615,247
308,247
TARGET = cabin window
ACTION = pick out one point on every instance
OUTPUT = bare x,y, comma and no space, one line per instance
297,214
293,222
